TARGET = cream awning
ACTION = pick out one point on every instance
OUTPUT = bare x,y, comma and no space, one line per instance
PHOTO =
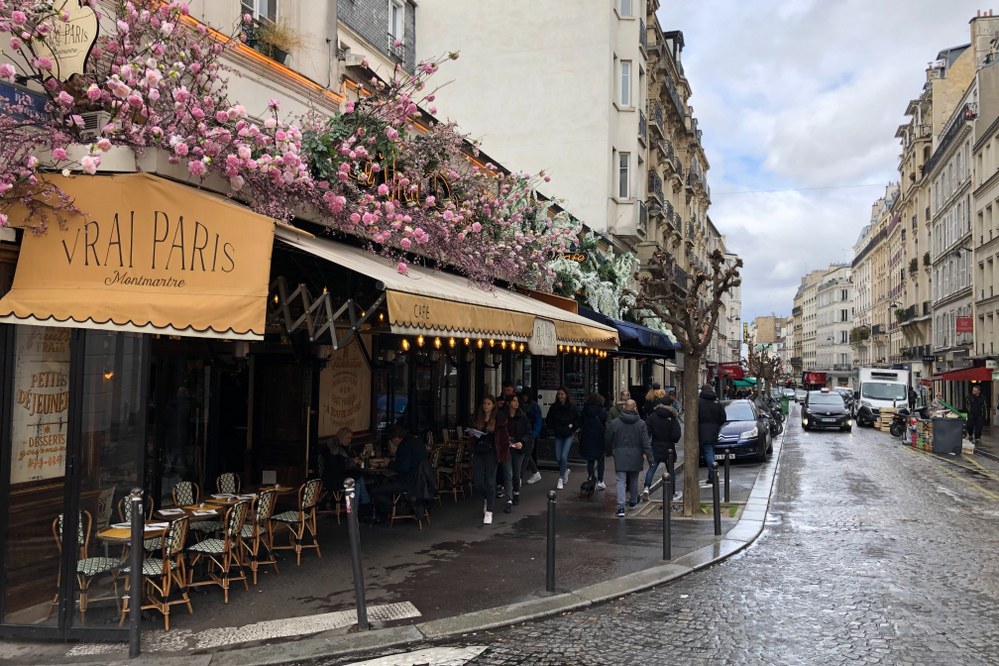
425,301
144,254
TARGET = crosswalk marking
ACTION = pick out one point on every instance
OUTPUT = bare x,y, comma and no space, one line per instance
438,656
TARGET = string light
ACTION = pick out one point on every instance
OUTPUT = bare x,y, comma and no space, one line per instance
437,343
521,347
467,342
478,343
492,343
405,345
419,341
451,343
503,344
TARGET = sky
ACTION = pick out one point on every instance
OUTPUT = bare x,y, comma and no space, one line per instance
799,101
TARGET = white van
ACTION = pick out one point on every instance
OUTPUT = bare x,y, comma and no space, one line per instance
878,388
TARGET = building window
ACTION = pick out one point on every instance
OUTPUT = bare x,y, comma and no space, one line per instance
397,19
624,175
844,337
625,8
261,9
844,295
844,315
624,98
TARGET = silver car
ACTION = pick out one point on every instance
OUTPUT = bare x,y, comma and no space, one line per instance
799,395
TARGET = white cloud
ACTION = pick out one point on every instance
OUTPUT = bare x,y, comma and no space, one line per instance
803,94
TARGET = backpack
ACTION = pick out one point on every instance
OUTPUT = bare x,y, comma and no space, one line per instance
674,429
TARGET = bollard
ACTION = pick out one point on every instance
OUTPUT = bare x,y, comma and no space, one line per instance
728,472
135,574
355,553
550,564
715,499
667,516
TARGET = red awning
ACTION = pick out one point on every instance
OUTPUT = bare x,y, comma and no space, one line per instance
980,374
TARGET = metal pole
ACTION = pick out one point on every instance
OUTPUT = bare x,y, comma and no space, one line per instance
355,554
135,574
728,474
716,499
550,564
667,511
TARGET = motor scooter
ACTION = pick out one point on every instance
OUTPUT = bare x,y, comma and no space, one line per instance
900,420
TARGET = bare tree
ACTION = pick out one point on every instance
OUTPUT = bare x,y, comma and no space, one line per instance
691,311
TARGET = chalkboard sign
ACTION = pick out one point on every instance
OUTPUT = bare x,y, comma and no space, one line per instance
549,373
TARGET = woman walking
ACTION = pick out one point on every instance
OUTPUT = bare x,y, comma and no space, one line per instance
484,455
563,419
513,428
591,438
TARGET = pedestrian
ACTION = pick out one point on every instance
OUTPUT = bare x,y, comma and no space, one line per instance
563,419
484,461
710,419
614,410
675,401
664,429
628,440
408,452
507,391
978,411
912,399
591,438
529,405
514,430
655,396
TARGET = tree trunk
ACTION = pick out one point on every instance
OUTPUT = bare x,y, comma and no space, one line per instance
691,445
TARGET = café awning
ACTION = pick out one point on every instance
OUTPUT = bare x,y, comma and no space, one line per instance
144,254
980,374
425,301
636,339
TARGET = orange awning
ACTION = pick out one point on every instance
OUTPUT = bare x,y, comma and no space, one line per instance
147,255
980,374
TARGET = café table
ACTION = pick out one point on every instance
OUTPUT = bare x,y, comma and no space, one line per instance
122,532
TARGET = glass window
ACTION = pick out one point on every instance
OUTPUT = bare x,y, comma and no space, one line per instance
624,82
624,175
261,9
397,19
739,411
626,8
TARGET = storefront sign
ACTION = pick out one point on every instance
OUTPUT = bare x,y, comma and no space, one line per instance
544,340
41,404
146,252
345,392
69,42
22,103
965,324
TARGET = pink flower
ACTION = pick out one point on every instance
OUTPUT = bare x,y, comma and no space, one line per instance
180,149
3,220
16,43
19,18
43,63
59,153
221,116
383,189
476,227
103,145
197,168
7,72
93,92
247,19
122,26
405,243
166,28
355,218
273,104
402,267
90,163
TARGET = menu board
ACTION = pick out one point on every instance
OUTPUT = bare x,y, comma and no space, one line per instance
41,404
345,392
549,373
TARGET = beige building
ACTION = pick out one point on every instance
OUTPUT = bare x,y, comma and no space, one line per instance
985,232
833,322
768,329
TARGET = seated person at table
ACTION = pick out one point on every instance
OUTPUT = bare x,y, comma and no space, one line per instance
337,465
410,451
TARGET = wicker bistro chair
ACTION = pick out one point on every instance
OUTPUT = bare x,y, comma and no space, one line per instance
227,483
187,493
161,575
302,520
224,553
125,515
87,568
257,533
451,478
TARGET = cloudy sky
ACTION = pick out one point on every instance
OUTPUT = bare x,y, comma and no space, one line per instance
799,101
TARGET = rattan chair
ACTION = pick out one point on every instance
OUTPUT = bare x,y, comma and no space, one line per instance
187,493
87,568
228,483
223,554
257,534
161,575
451,478
302,520
125,515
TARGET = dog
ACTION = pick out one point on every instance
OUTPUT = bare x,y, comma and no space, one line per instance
587,488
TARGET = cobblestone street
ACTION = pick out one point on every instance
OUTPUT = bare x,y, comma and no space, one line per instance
874,553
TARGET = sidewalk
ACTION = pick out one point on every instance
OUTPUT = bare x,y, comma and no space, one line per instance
989,446
454,577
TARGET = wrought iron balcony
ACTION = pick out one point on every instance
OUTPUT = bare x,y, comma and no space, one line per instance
656,186
680,278
643,128
657,117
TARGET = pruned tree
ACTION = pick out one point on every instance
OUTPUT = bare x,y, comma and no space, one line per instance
691,311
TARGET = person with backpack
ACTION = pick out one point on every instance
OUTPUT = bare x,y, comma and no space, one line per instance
591,438
664,428
627,439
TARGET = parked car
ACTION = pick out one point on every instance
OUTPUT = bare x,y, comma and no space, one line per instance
799,395
746,432
825,409
788,393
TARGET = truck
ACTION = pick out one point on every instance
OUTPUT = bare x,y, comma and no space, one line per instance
879,388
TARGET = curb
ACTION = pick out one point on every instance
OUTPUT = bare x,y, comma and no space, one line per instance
336,644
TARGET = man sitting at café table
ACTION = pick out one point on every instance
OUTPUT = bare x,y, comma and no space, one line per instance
410,451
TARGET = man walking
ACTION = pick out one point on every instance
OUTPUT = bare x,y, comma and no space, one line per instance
710,419
912,399
628,439
978,411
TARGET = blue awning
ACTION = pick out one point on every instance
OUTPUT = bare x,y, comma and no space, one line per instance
636,338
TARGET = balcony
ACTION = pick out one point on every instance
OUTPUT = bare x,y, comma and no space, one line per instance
643,36
680,278
878,329
842,367
927,310
657,117
656,187
674,96
643,128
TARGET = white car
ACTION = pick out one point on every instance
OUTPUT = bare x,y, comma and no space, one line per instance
799,395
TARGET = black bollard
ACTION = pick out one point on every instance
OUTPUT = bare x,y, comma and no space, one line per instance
667,511
135,574
715,498
550,564
355,554
728,474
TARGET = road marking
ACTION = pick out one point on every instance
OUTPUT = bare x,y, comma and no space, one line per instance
429,657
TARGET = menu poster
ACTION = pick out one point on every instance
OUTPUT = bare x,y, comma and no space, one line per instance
549,373
41,404
345,392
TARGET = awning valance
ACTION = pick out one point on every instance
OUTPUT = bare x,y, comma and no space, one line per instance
980,374
144,254
425,301
635,338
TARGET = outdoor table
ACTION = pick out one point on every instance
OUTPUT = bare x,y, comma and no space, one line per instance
276,487
122,532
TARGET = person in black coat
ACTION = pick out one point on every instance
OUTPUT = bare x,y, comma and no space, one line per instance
518,434
710,419
336,465
978,412
664,428
410,451
591,438
563,419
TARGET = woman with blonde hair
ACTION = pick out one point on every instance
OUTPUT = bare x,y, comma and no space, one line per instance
484,460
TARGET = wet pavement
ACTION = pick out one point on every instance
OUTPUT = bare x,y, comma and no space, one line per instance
873,553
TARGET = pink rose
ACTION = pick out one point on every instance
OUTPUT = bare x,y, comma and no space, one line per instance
59,153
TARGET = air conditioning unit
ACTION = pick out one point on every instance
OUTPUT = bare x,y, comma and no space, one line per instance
93,123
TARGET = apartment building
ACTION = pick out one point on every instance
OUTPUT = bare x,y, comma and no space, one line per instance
833,322
985,231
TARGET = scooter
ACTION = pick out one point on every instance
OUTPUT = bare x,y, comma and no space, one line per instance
900,420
